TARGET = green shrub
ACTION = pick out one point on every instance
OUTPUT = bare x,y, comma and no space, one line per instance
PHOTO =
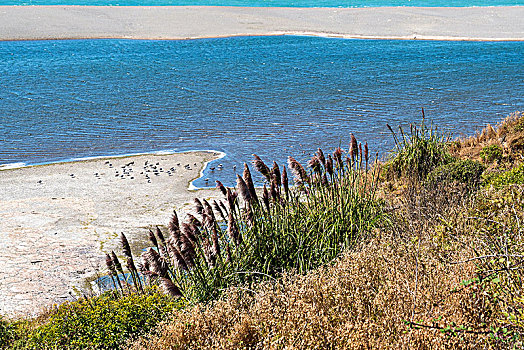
514,176
104,322
491,153
467,172
520,125
6,333
418,153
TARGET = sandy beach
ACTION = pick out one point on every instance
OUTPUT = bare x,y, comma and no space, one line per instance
186,22
56,221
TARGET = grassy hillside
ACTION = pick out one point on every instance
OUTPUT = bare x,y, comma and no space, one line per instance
422,250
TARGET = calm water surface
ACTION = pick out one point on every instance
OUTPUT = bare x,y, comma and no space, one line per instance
274,96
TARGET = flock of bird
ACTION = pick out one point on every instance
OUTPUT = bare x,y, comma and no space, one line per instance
148,171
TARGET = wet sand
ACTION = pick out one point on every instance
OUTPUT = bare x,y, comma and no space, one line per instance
58,220
189,22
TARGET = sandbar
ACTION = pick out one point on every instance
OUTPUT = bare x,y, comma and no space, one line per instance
58,220
192,22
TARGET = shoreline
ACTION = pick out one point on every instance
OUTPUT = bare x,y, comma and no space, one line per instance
191,187
58,22
306,34
59,219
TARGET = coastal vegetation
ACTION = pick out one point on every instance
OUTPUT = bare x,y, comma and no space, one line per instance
421,250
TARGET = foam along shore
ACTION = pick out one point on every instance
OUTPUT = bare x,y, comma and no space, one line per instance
56,220
186,22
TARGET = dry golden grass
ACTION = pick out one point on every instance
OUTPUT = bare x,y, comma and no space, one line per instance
509,134
361,302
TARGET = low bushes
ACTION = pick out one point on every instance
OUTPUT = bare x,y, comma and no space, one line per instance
491,153
103,322
7,333
467,172
513,176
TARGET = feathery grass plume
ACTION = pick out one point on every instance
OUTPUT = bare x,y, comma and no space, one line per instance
248,215
125,245
176,257
160,234
262,167
170,288
198,206
243,189
156,263
112,271
174,225
300,175
119,268
152,238
196,232
110,265
216,245
249,182
275,171
274,190
161,247
187,230
360,155
285,181
218,210
314,163
193,220
232,230
130,264
143,267
221,187
329,165
353,147
209,255
116,262
187,250
209,212
265,198
231,199
366,154
337,156
223,206
321,157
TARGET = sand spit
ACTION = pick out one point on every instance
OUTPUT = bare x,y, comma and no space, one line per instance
57,220
185,22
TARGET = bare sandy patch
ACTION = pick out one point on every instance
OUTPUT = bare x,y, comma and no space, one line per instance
57,220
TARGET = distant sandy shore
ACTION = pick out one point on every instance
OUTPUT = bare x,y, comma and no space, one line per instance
186,22
57,220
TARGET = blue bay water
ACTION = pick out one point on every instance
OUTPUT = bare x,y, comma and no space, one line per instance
271,3
274,96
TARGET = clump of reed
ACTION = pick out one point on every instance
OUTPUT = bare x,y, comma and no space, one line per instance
255,234
418,152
